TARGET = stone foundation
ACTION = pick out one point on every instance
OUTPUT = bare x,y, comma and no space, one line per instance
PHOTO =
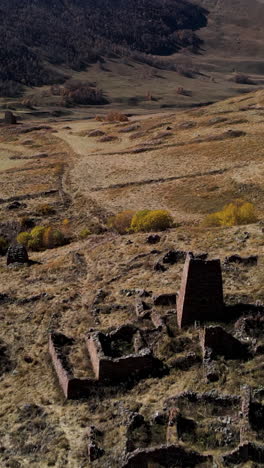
110,364
221,343
244,453
167,456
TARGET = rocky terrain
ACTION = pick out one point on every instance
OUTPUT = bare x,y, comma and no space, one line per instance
98,367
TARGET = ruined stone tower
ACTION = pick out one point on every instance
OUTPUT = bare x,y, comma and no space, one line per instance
201,293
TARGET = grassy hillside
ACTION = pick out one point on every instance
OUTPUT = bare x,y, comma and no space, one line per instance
74,175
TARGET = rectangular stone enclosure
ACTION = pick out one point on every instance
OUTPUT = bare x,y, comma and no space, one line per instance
201,293
116,357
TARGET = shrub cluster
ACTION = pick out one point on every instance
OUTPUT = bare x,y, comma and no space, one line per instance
113,116
41,238
144,220
84,233
79,92
122,221
236,213
240,78
151,220
45,210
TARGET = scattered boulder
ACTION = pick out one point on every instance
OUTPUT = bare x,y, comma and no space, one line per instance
211,371
17,254
200,256
165,299
144,293
108,138
174,256
252,260
6,364
96,133
4,298
94,452
100,296
153,239
235,133
10,118
142,309
159,267
15,205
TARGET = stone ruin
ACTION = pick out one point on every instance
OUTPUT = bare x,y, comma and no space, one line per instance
147,442
168,456
118,356
72,387
217,342
126,352
10,118
94,440
17,254
244,453
201,293
214,421
204,422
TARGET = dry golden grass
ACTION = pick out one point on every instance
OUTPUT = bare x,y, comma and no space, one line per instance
110,262
180,174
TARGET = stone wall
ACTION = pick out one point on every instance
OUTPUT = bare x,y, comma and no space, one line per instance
64,375
221,343
201,293
72,388
167,455
107,368
244,453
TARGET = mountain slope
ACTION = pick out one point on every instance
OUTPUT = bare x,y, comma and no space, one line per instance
76,32
234,34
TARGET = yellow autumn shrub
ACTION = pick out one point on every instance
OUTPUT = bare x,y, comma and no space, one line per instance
235,213
151,220
41,237
121,222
